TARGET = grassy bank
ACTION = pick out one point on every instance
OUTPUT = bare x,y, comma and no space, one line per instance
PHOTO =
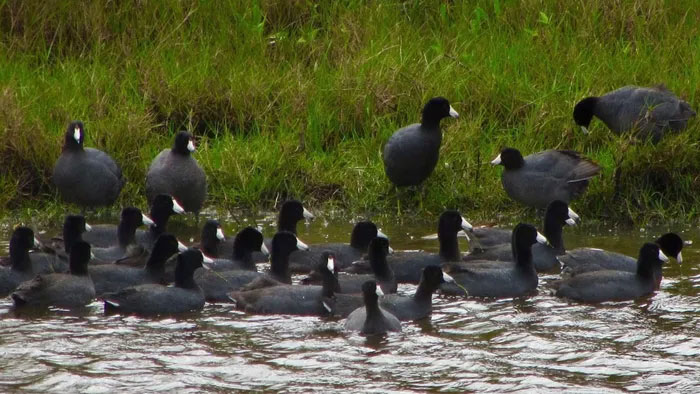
295,98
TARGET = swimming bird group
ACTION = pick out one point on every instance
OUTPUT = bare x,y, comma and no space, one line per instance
150,272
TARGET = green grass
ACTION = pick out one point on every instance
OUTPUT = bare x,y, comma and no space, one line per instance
294,98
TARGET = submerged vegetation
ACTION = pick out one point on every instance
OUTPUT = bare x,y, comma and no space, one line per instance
294,98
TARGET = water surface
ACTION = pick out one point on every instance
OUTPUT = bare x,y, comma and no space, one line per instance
538,343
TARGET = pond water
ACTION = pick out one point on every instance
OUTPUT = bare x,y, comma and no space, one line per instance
539,343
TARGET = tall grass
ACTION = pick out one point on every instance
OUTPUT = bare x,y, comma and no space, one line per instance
294,98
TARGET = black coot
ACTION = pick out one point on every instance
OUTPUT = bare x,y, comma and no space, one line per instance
176,173
411,153
371,319
86,177
611,285
540,178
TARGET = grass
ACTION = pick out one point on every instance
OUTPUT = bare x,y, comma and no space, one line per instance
294,98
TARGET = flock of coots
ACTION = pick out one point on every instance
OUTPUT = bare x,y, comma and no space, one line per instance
150,272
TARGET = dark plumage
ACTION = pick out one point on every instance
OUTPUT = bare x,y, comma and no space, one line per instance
176,173
544,257
228,276
496,279
611,285
85,176
650,111
151,299
381,272
109,278
211,238
61,290
362,233
20,268
408,266
543,177
411,153
74,227
291,212
583,260
125,243
371,319
292,300
245,243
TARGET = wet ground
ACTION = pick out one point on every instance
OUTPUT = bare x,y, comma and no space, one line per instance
539,343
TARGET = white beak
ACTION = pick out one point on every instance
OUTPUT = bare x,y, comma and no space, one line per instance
37,242
391,250
331,264
220,234
447,278
570,222
453,113
308,215
542,239
496,161
379,291
466,226
301,245
328,308
76,134
573,214
88,227
181,247
662,256
92,256
146,220
679,257
585,130
380,234
264,250
190,146
177,208
207,259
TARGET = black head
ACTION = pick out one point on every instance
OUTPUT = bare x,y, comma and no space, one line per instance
651,258
525,235
378,247
75,133
362,234
558,212
433,277
22,240
212,236
163,206
132,217
74,226
249,239
451,222
672,245
187,262
371,293
291,212
79,258
165,246
510,158
583,111
435,109
284,243
326,264
184,143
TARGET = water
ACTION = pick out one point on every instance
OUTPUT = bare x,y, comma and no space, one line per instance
539,343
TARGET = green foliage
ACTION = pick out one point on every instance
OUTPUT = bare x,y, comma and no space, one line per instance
296,97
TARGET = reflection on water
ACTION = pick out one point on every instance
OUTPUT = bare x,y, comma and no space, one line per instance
539,343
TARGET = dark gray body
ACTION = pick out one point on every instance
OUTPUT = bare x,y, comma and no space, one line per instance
217,285
378,324
492,280
652,111
284,300
88,177
547,176
303,261
407,266
607,285
544,257
11,278
152,299
487,237
179,176
60,290
411,153
110,278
